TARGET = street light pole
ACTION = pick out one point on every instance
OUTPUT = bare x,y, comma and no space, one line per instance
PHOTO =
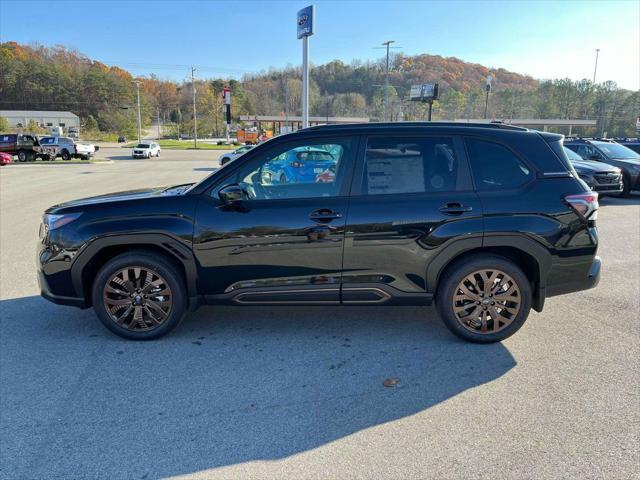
386,80
195,114
595,69
139,117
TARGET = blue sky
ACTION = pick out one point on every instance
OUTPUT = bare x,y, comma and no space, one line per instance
546,39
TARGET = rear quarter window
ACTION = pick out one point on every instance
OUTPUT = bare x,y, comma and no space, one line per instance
495,167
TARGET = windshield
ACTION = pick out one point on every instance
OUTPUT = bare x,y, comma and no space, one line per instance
615,150
143,145
573,156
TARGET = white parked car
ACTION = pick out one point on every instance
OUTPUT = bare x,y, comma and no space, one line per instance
65,147
228,157
146,149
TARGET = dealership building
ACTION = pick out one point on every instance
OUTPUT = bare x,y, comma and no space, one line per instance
45,119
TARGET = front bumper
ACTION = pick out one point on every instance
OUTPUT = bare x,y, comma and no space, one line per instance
45,292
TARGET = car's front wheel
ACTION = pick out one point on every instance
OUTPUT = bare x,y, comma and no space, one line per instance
139,296
484,298
66,155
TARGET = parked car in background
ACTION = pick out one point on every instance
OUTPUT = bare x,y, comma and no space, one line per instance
607,151
228,157
5,159
66,148
299,165
146,149
485,220
632,143
599,177
23,145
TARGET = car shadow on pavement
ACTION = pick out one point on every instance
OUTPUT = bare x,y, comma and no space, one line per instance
634,199
230,385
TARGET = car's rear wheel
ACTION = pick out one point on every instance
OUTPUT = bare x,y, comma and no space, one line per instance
22,156
484,298
139,296
66,155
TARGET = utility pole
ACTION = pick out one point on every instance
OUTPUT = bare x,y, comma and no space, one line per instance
286,103
595,69
486,98
139,117
386,80
195,114
158,123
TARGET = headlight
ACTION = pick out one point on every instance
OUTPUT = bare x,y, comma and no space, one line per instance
53,221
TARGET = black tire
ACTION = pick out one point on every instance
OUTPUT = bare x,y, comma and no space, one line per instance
450,282
157,264
22,156
65,155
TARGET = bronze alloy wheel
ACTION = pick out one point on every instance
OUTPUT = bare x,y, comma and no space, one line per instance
486,301
137,298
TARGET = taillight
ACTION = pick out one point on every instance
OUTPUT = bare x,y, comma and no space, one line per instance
297,164
585,204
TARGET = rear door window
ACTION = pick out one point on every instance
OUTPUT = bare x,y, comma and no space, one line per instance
495,167
399,165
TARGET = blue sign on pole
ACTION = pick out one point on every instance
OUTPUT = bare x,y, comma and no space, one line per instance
305,22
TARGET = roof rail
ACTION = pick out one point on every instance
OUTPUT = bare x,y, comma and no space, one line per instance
494,124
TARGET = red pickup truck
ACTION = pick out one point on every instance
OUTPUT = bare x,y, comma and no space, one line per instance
24,145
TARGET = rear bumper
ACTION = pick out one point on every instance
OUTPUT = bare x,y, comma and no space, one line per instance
590,281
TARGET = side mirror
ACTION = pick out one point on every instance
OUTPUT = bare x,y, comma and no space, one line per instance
231,194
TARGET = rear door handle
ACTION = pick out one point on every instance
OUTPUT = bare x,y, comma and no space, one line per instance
324,215
455,208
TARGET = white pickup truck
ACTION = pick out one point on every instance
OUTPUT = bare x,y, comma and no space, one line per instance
65,147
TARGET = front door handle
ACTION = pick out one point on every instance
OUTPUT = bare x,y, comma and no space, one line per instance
324,215
455,208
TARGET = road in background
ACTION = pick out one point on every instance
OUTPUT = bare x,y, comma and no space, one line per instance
297,392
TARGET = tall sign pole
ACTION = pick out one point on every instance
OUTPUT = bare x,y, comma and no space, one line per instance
595,69
305,28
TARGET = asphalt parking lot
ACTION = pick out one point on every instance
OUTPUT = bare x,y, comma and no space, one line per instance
297,392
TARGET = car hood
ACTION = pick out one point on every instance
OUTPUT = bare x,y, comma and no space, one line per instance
586,166
627,161
127,195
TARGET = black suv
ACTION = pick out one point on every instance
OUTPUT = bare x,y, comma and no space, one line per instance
607,151
486,220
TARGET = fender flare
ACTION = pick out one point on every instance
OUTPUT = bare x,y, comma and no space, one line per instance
520,242
173,247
